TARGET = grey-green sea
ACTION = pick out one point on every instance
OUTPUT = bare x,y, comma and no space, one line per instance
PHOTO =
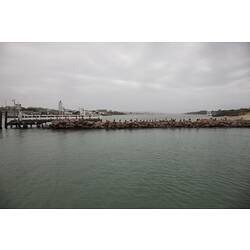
140,168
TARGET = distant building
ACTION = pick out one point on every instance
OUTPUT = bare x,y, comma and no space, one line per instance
82,112
60,108
18,107
12,110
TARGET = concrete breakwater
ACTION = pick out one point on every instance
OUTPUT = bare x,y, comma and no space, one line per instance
134,124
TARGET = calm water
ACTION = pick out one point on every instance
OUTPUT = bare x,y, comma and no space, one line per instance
146,168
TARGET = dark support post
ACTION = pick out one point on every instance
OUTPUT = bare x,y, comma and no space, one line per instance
6,120
1,120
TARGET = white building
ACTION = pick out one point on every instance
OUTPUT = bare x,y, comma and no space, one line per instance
82,112
60,107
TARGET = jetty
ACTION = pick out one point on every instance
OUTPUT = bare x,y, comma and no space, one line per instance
146,124
80,122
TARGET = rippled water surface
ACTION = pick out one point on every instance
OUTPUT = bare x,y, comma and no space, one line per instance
144,168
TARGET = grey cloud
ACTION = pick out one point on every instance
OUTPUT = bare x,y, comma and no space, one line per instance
166,77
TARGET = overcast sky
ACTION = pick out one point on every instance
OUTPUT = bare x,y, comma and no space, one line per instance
160,77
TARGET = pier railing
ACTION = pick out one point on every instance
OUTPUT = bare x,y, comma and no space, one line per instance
55,117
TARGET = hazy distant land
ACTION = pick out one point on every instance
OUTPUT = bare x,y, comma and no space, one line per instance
242,113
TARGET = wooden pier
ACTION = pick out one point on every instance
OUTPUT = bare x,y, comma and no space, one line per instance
39,121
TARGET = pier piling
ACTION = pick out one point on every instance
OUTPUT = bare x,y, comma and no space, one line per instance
1,120
6,120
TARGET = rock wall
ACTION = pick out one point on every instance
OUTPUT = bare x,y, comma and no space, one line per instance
133,124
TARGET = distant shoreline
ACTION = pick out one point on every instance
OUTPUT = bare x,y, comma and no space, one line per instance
245,117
